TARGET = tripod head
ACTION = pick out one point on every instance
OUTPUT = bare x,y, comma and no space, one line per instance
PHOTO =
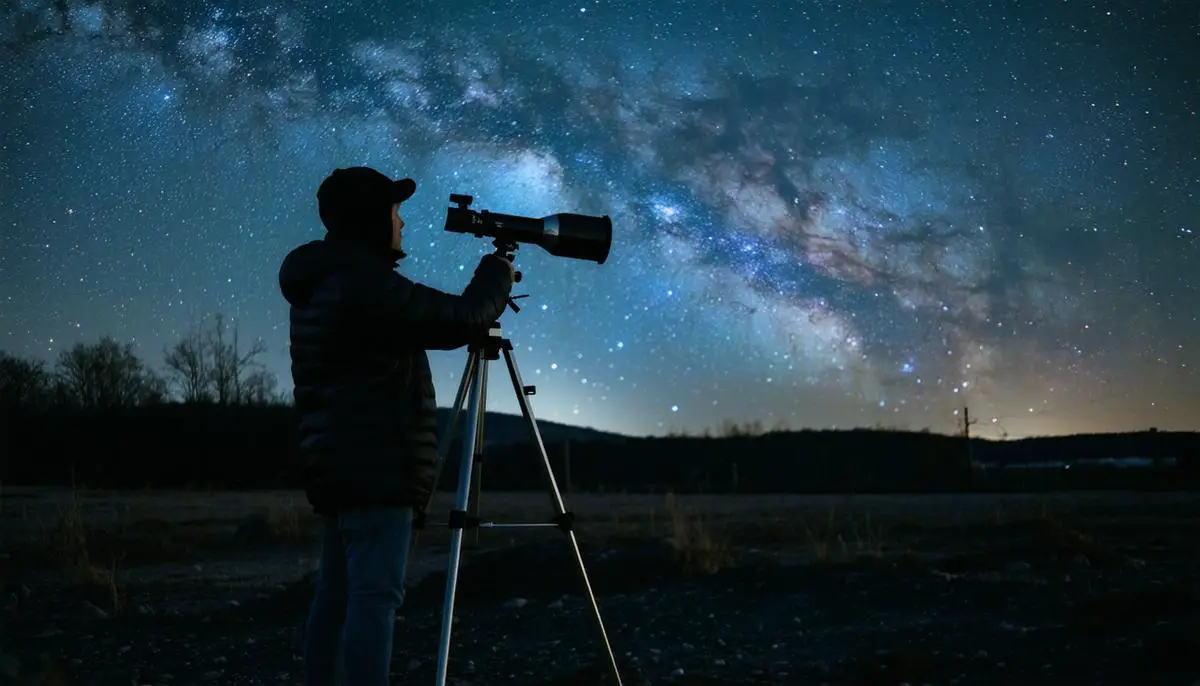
507,249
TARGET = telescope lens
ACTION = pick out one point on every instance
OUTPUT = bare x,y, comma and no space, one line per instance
577,236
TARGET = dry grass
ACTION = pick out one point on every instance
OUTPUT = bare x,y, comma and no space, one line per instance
90,541
836,538
285,521
696,541
95,535
68,540
1051,530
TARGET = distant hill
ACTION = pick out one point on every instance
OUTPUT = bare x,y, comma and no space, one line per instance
237,447
509,428
1152,444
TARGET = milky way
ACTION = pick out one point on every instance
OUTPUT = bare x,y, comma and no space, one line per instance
845,215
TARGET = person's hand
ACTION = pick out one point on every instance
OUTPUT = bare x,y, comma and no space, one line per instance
512,270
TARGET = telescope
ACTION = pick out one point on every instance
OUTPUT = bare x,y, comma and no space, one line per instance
577,236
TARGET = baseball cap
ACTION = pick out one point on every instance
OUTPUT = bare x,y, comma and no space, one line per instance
357,186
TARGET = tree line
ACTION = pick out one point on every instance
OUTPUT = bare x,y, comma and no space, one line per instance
209,364
209,415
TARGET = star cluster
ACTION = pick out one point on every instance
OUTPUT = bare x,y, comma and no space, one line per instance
825,214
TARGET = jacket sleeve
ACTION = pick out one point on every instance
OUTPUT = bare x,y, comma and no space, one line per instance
418,316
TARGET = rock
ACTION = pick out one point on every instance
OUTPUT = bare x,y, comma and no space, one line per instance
50,632
516,603
93,610
1019,568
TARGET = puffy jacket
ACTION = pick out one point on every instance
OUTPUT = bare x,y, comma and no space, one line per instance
363,390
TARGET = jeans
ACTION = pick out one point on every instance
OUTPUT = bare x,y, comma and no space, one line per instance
360,584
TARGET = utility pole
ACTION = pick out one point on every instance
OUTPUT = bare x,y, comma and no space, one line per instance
967,422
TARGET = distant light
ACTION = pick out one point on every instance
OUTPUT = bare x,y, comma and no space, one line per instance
674,408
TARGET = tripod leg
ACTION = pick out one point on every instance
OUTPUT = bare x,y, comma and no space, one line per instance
447,437
477,471
458,517
559,507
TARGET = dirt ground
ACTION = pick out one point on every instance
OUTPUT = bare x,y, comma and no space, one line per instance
212,588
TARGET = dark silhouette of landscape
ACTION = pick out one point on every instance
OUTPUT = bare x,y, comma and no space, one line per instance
212,419
138,503
253,447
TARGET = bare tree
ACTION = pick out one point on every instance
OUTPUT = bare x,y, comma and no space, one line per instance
190,366
258,388
107,374
156,390
731,429
210,364
23,383
233,369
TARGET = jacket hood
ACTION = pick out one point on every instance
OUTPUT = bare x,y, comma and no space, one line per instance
306,266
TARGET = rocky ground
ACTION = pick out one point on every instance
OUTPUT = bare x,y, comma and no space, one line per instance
1098,589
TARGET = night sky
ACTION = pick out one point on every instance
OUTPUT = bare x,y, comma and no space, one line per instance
851,214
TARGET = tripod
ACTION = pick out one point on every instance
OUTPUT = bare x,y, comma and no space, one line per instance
474,381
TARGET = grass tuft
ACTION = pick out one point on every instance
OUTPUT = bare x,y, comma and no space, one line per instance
699,547
69,542
835,539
